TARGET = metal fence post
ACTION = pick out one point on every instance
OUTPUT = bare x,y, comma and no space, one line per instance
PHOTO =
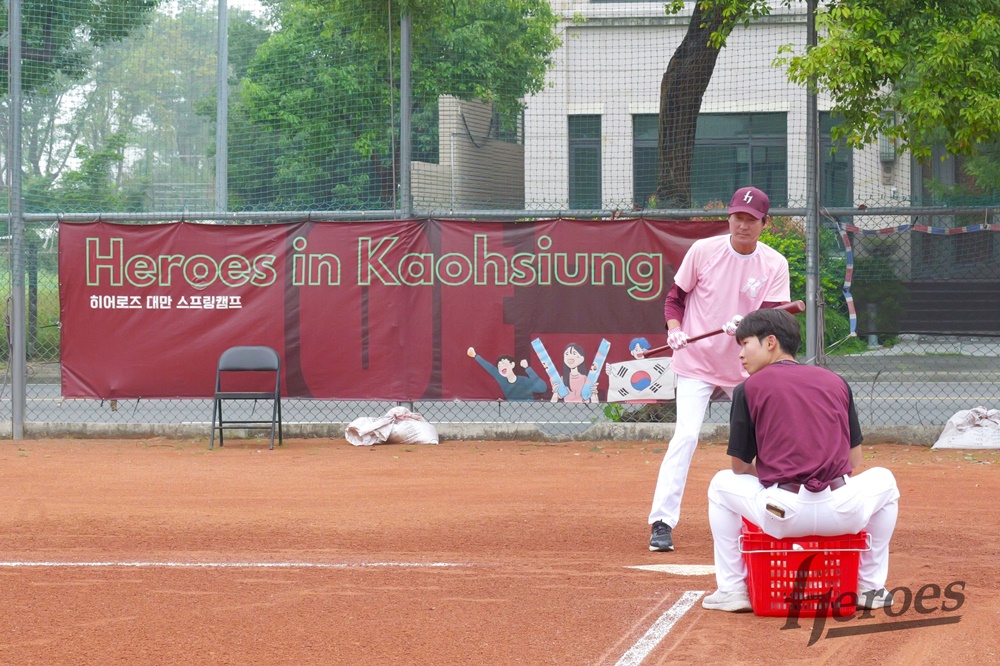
222,112
18,359
405,112
31,346
813,321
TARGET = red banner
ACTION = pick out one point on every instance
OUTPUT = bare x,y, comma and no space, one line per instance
367,310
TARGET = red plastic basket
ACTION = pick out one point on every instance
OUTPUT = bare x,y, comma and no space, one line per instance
804,576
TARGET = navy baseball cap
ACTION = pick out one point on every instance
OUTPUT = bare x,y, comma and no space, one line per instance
750,200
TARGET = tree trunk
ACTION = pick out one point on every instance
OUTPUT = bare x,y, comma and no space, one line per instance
681,91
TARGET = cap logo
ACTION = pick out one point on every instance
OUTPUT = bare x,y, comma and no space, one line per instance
748,197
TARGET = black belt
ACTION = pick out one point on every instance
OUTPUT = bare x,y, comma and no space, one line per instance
839,482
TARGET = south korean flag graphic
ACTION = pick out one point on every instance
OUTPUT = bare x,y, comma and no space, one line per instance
641,379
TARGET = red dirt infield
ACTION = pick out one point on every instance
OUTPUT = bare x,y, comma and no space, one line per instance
163,552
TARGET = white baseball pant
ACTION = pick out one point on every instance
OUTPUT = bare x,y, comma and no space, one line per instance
868,501
692,396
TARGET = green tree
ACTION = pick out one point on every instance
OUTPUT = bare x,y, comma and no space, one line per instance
683,86
93,185
788,237
925,73
984,166
252,151
59,37
148,87
321,91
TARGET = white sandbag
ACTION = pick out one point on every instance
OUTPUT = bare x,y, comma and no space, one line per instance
976,428
368,430
410,428
398,426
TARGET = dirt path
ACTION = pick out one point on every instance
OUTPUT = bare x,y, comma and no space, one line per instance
163,552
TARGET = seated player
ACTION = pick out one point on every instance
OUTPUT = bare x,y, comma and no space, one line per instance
794,441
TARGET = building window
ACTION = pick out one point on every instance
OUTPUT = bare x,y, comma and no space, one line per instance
585,162
644,151
836,167
733,150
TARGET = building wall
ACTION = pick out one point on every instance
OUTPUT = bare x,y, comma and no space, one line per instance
474,170
611,63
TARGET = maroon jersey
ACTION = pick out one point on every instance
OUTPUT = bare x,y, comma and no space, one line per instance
798,421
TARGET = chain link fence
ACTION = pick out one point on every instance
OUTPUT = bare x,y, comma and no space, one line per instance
518,110
905,363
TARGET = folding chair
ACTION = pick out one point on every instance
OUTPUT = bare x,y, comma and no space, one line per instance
240,360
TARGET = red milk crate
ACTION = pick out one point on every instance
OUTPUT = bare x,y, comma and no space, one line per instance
803,576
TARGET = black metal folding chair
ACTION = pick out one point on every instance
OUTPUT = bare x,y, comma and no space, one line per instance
243,360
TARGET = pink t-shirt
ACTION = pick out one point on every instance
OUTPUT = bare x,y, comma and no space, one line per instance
721,283
575,387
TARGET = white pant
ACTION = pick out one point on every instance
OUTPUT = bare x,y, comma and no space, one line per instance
869,501
692,398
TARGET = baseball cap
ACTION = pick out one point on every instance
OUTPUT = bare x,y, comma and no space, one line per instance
750,200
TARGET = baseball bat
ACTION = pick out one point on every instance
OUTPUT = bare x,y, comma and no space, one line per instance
795,307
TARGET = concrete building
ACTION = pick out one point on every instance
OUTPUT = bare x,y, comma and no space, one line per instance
590,136
477,168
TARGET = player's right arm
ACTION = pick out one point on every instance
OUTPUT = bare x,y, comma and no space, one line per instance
673,307
854,428
742,434
673,315
855,457
740,467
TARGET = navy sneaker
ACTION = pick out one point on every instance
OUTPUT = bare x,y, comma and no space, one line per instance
661,539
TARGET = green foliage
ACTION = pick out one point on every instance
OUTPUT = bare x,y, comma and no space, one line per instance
984,166
148,87
61,37
734,12
92,185
664,411
43,340
788,238
322,90
934,67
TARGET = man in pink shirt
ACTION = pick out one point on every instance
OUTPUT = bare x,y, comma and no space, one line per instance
720,279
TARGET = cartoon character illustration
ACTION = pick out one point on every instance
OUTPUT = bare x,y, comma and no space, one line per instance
641,380
638,347
572,378
559,390
513,385
595,370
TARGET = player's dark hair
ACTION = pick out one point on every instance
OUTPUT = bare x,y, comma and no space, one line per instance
762,323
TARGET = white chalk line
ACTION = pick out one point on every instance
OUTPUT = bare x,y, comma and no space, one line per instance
678,569
233,565
659,630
